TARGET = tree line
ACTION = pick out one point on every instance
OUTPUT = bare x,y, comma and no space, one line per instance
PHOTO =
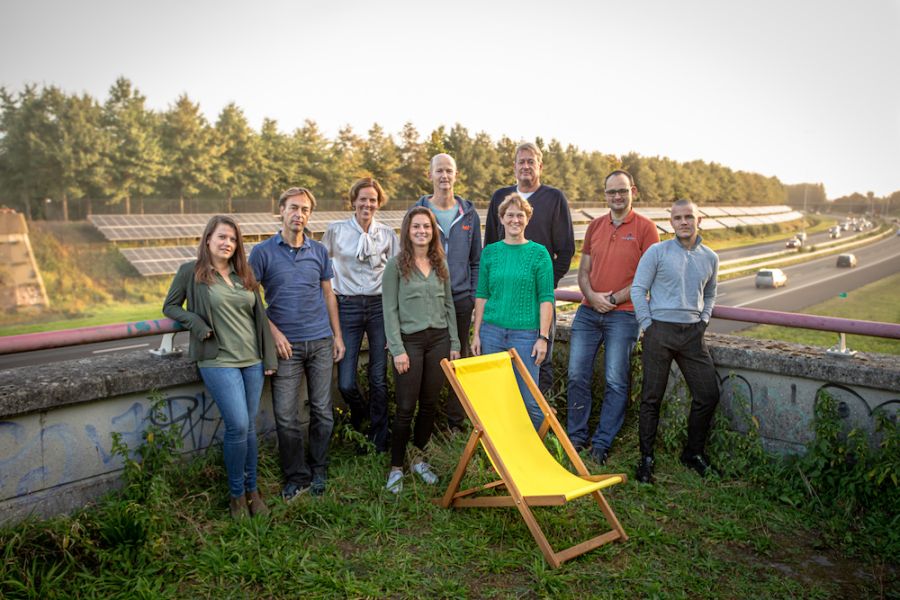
120,156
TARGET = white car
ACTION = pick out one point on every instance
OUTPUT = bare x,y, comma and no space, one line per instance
773,278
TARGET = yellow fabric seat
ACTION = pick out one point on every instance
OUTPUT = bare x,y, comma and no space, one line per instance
493,392
488,390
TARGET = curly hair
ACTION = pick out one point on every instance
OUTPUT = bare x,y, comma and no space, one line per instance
203,270
406,256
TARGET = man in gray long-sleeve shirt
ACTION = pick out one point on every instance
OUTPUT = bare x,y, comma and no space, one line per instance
679,275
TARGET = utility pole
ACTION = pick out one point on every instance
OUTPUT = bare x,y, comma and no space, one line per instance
805,191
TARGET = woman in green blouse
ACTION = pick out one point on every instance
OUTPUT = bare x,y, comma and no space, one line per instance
420,325
232,344
514,299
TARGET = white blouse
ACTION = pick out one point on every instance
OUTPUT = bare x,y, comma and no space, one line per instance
359,257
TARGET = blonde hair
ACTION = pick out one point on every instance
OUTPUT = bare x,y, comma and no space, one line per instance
516,200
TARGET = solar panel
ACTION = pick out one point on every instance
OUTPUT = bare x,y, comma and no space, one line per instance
657,214
166,226
165,260
713,211
709,224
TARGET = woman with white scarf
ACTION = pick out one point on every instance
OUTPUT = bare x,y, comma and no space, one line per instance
360,248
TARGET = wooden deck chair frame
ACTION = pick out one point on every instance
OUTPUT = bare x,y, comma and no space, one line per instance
454,497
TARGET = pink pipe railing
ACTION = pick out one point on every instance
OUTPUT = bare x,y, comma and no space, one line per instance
786,319
87,335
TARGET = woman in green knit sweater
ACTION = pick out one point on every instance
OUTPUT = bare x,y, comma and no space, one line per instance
420,326
514,299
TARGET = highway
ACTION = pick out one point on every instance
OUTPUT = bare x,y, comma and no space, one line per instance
808,283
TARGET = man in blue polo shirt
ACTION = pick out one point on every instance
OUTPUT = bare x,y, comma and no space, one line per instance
296,274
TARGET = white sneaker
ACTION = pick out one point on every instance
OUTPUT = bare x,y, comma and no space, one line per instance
424,471
394,482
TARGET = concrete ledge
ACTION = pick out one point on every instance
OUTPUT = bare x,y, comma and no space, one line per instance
30,389
879,371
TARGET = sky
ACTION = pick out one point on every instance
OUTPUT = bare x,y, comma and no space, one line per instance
805,90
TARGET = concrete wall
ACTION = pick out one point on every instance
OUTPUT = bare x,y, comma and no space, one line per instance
56,425
56,421
20,280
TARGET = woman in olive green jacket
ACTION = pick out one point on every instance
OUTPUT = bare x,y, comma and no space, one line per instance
232,344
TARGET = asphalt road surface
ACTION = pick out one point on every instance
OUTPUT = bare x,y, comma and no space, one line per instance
808,283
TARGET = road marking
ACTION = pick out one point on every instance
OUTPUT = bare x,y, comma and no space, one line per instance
819,282
117,348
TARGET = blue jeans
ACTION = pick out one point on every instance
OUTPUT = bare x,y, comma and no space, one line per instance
617,330
364,315
236,392
312,361
500,339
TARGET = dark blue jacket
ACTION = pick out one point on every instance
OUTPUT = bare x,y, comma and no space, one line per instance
549,226
462,245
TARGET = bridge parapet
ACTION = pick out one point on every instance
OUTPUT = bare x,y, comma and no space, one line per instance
56,421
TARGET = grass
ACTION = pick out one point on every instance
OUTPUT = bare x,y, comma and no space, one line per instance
876,301
689,538
106,315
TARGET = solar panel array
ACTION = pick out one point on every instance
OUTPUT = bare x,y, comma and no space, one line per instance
163,260
121,228
166,260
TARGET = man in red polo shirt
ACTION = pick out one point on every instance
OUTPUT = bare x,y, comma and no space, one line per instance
613,246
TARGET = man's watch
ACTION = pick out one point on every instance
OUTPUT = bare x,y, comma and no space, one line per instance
612,299
543,337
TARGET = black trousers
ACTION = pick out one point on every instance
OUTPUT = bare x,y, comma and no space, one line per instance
456,414
683,343
421,385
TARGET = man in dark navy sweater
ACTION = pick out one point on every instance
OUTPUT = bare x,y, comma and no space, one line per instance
550,225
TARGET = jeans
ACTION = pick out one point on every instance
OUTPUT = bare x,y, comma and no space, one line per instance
456,414
364,315
684,343
236,392
500,339
617,330
421,385
313,362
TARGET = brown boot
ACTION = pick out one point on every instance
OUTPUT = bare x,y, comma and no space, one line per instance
256,504
238,507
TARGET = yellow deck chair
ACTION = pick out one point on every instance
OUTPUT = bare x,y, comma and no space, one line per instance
486,387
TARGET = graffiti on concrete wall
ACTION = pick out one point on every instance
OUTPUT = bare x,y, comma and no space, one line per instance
44,450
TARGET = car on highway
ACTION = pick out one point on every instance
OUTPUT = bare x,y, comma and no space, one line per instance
846,260
773,278
793,243
834,232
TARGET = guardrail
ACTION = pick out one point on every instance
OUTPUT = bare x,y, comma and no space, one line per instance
105,333
46,340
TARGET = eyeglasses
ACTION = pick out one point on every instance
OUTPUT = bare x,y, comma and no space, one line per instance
613,193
